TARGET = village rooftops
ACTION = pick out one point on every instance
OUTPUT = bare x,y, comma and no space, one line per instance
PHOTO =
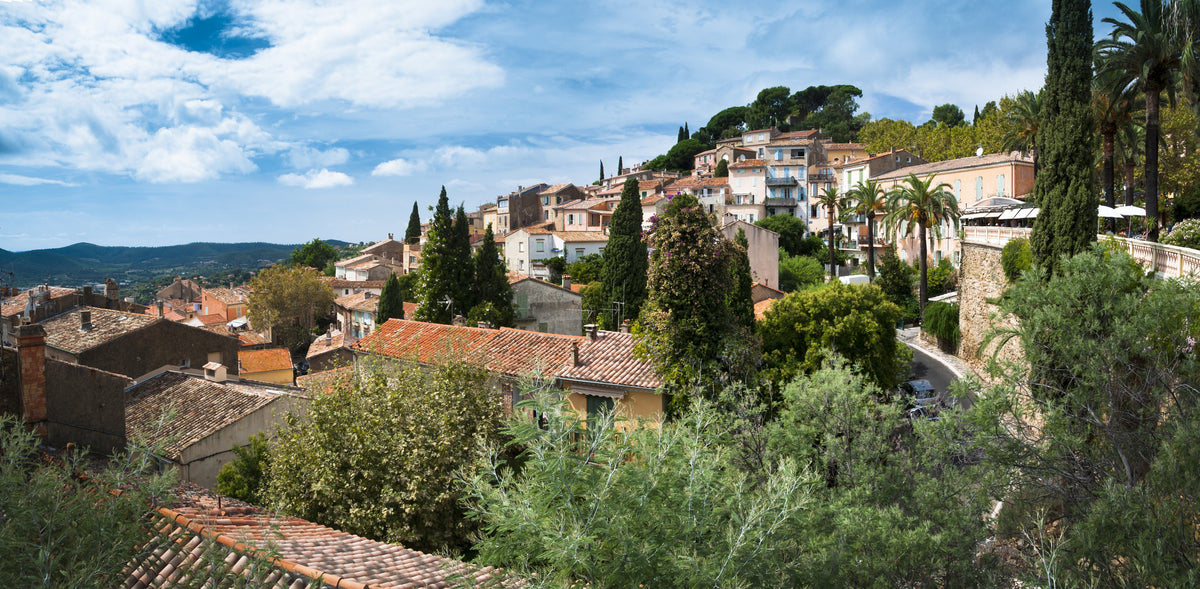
226,296
362,301
606,359
195,408
257,361
71,333
748,164
330,341
204,527
336,283
16,305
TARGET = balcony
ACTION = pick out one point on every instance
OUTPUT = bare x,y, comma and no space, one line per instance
822,177
780,202
783,181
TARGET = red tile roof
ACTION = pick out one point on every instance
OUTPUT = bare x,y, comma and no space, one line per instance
761,307
252,338
254,361
608,359
211,319
64,331
16,305
203,529
748,164
330,341
361,301
962,163
226,296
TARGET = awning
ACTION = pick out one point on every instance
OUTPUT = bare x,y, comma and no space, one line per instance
1009,214
1029,213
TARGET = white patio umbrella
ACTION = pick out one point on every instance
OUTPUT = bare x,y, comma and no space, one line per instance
1131,211
1108,212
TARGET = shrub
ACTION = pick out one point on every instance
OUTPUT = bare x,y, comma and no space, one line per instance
1185,234
1015,258
942,278
941,319
242,477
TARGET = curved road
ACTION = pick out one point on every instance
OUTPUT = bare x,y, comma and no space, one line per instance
938,375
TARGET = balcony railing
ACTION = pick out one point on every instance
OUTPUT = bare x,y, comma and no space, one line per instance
780,202
1166,260
783,181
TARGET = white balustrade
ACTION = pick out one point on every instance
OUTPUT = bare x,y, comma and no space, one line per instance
1166,260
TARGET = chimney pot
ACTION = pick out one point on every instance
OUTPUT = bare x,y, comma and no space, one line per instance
574,353
31,353
483,325
566,281
625,326
85,320
590,330
159,304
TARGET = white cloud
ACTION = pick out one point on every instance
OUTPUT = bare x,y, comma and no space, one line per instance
303,156
19,180
399,167
190,154
322,178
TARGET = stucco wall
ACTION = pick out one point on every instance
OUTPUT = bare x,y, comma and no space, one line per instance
763,252
982,278
635,405
85,406
204,459
539,304
163,343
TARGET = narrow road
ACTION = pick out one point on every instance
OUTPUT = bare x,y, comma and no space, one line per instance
938,375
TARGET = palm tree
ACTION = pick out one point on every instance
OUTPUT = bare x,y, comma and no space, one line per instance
922,204
1112,107
831,200
1023,123
869,199
1145,54
1130,141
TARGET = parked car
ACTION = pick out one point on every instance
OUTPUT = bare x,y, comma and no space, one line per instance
920,393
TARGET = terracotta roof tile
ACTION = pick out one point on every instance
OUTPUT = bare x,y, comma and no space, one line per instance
252,338
610,359
962,163
361,301
198,408
226,296
330,341
16,305
748,164
211,319
576,236
64,332
760,308
254,361
305,555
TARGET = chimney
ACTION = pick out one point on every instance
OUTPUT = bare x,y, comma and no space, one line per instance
389,236
459,321
367,295
215,371
85,320
590,330
566,281
625,326
159,304
574,353
483,325
31,351
87,295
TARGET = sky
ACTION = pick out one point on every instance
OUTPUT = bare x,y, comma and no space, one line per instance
161,122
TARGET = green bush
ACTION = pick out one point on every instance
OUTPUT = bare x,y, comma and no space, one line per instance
1015,258
242,478
1185,234
942,278
941,320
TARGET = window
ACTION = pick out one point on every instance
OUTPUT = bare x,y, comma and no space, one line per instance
760,153
570,219
778,155
541,245
958,190
979,188
750,217
1000,185
578,252
545,215
521,246
521,264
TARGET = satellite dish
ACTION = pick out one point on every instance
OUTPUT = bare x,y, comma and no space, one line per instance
979,151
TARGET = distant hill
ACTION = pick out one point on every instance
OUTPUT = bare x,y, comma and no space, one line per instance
87,263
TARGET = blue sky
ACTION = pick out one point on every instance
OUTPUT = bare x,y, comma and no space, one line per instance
166,122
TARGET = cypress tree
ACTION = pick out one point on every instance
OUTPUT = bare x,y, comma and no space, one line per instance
620,165
686,134
741,297
494,304
601,170
681,135
975,119
465,290
625,260
412,235
1064,187
435,285
391,301
722,170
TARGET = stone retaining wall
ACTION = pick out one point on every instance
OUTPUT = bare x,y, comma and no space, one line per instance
981,278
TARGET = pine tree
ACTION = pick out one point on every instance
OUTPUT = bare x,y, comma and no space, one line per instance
741,297
436,289
620,165
412,235
494,304
1064,187
391,301
625,260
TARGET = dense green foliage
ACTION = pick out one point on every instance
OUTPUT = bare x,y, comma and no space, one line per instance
1064,187
802,329
791,233
625,261
896,280
920,204
376,455
391,301
314,254
796,272
495,296
722,169
1186,233
1016,258
681,157
949,115
1100,425
412,234
943,278
244,476
59,524
727,123
587,269
741,298
438,293
288,302
688,330
941,320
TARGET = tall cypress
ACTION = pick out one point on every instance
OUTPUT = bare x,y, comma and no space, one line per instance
492,281
741,296
391,301
463,268
681,136
412,235
1064,187
436,283
601,170
620,165
625,261
686,134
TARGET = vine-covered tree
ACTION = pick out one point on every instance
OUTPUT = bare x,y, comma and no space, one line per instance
495,304
625,260
412,235
391,301
1064,187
